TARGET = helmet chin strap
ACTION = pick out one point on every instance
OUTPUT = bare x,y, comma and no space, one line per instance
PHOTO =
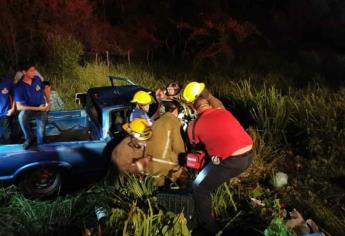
134,142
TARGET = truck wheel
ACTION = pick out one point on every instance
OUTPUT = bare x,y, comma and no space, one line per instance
43,182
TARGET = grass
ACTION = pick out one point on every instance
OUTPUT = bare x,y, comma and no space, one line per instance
297,131
21,216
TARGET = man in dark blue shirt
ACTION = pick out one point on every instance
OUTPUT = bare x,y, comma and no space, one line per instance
6,109
30,101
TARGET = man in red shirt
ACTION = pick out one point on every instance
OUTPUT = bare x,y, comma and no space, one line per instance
228,145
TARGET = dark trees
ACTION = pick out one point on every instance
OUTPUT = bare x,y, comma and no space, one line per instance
196,31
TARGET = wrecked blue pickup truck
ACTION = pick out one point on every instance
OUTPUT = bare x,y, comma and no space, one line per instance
78,142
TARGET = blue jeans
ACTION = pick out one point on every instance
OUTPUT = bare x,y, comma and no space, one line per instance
41,118
5,130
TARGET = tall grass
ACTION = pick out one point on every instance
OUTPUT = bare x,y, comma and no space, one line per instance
21,216
222,199
139,222
283,121
320,117
272,115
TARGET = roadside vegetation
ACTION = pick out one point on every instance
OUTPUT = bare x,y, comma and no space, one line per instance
280,71
299,130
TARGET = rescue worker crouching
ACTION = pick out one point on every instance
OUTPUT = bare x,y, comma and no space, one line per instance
228,145
165,146
129,155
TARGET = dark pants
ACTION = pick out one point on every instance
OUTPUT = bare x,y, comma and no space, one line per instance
5,130
210,178
41,118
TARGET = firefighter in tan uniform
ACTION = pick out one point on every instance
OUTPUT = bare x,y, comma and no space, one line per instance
129,155
165,146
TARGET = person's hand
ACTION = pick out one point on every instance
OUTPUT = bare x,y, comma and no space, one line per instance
10,112
43,107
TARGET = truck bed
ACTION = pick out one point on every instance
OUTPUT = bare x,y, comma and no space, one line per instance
65,126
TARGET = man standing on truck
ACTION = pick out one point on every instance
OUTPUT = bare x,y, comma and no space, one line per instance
165,146
30,101
7,109
228,145
142,100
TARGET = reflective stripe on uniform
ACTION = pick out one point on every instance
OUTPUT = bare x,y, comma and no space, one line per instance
163,161
166,146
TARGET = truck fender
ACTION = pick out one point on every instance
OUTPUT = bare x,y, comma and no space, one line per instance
35,165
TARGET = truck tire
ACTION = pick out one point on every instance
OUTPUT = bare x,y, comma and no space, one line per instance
41,182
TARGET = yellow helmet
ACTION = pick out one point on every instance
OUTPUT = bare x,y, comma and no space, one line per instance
138,128
192,91
142,98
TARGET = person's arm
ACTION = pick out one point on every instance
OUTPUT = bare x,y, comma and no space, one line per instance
147,118
22,107
59,101
212,100
47,97
215,102
189,131
12,110
19,99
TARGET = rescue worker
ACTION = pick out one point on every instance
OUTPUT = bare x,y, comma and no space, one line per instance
129,155
228,145
142,100
165,146
195,90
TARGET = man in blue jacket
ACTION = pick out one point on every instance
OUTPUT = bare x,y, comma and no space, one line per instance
30,101
6,109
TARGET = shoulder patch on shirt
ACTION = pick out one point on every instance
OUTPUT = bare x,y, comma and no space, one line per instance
38,88
4,91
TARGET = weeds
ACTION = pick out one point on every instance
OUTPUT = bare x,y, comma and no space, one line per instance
41,217
222,199
284,123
